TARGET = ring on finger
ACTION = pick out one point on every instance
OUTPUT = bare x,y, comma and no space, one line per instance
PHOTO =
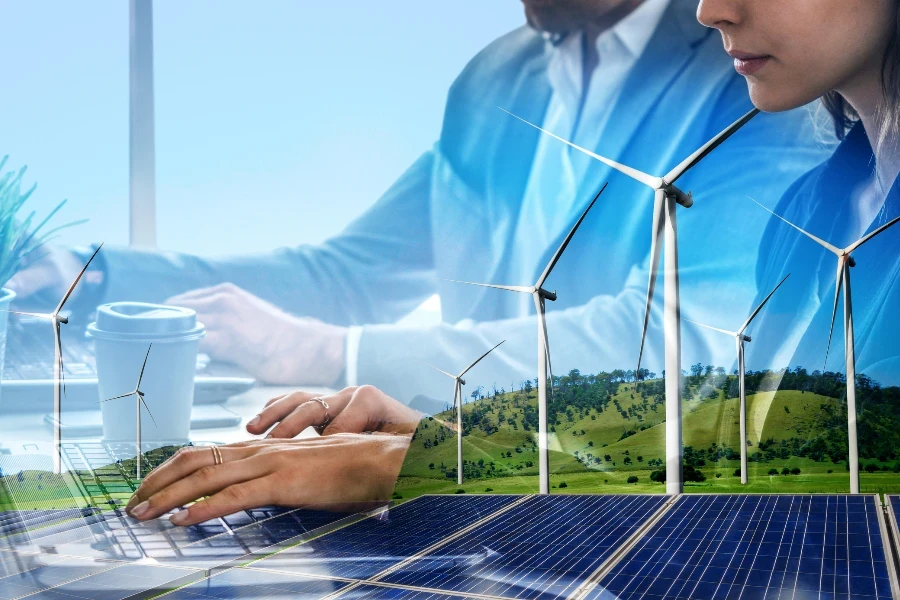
324,404
217,455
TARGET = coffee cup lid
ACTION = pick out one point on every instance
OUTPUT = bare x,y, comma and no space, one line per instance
140,320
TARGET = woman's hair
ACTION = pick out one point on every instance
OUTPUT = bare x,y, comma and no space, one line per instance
844,116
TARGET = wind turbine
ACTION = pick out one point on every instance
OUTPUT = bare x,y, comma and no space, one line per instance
845,262
457,402
58,376
667,196
540,296
139,398
740,339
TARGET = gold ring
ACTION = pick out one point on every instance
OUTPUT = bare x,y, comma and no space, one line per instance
326,407
217,455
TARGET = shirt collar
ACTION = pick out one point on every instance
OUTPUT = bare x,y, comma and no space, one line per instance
633,34
636,29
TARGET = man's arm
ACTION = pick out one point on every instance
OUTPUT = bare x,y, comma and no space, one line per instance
377,270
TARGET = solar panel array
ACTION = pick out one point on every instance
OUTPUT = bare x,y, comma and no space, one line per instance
745,546
464,546
543,548
366,548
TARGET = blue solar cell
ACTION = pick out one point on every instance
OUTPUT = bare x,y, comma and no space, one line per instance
543,548
749,546
249,583
364,549
373,592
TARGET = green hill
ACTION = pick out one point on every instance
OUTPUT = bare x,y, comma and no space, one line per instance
618,431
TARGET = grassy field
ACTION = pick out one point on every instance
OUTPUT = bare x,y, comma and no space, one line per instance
613,457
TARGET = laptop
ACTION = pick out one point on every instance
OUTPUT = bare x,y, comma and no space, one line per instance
26,384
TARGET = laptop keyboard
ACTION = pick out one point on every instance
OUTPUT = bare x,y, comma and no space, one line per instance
105,473
29,352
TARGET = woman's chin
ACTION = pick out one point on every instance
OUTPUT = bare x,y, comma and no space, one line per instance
776,98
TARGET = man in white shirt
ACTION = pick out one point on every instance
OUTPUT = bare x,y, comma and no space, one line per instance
639,81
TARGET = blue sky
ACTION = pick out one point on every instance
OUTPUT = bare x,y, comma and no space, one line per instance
305,111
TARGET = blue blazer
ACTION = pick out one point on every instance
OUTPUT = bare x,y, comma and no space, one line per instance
453,214
794,330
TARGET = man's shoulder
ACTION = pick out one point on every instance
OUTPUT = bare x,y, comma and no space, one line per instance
498,65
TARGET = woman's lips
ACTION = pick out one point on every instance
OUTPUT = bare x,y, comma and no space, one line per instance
748,64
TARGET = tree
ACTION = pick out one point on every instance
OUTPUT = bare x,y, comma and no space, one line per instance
632,479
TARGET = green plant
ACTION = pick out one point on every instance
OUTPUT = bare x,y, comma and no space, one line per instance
632,479
19,240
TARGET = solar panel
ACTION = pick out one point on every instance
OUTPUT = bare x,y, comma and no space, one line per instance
766,546
247,583
373,592
893,503
543,548
364,549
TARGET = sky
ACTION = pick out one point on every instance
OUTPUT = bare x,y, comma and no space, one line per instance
277,119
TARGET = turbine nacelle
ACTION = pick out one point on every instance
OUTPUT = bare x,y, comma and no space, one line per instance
746,338
63,320
551,296
684,199
461,381
850,261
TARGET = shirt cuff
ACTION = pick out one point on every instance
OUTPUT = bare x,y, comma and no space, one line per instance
351,366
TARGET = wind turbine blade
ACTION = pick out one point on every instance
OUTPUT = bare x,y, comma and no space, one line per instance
839,280
28,314
509,288
862,241
541,306
725,331
117,397
648,180
673,175
142,401
62,302
441,370
479,360
141,376
655,252
819,241
562,247
759,308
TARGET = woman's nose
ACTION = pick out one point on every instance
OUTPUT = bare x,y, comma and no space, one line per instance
719,13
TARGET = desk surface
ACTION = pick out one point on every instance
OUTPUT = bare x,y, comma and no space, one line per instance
30,427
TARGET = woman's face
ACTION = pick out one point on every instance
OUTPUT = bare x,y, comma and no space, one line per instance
794,51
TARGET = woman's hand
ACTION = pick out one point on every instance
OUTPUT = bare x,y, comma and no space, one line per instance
345,472
351,410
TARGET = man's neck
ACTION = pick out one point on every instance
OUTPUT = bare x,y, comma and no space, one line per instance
594,29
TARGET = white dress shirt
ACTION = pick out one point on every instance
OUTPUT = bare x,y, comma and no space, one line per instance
550,200
548,205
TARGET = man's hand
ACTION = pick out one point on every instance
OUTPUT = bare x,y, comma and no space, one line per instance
54,271
345,472
352,410
274,346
